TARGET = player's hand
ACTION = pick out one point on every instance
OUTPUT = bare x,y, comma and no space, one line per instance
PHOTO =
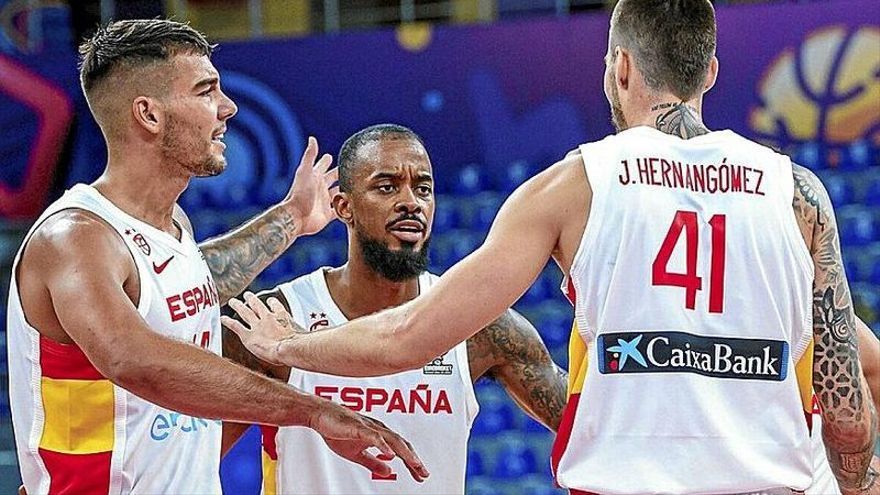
311,194
266,328
351,435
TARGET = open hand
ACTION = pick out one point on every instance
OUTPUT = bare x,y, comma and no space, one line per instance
312,191
266,327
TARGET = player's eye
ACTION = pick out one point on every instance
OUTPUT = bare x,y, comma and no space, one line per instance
385,188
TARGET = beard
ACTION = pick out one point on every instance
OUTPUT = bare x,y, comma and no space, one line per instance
617,118
192,154
396,266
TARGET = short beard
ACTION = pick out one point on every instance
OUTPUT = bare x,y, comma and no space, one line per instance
617,118
175,149
396,266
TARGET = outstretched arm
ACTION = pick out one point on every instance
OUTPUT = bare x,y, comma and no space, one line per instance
511,351
467,298
236,258
849,425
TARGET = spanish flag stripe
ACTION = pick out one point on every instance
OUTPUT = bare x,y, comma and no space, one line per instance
65,361
77,474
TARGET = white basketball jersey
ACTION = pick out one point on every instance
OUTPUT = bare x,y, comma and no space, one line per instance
432,407
693,294
75,431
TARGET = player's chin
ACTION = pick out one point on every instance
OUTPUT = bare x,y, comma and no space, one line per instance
213,167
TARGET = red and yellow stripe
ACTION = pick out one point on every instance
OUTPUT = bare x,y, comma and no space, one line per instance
78,430
270,459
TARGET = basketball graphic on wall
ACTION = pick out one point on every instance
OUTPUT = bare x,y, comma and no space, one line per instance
826,91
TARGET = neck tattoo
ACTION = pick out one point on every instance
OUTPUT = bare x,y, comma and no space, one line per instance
679,119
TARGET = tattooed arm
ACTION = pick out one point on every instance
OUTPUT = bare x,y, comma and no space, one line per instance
511,351
849,420
236,258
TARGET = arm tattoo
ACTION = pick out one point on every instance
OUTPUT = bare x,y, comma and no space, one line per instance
521,362
236,258
850,421
680,120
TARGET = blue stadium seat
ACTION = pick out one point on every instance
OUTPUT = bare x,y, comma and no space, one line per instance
471,179
482,485
840,190
514,459
857,227
808,155
446,215
475,465
529,425
538,484
872,192
495,416
875,273
856,156
485,207
853,270
512,176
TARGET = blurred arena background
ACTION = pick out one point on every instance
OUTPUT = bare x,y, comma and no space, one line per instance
499,89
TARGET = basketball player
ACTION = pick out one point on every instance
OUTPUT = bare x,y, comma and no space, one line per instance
109,292
698,259
387,203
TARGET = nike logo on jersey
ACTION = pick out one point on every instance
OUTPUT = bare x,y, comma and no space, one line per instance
161,268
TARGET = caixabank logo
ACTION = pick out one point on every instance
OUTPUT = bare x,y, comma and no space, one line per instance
681,352
819,100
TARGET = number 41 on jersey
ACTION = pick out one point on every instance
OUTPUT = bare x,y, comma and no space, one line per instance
686,222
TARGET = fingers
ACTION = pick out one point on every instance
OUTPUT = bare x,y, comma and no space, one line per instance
407,454
324,163
276,307
243,311
256,305
309,155
235,326
372,462
331,177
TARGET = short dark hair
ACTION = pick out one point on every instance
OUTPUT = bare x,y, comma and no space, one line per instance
673,41
134,43
350,148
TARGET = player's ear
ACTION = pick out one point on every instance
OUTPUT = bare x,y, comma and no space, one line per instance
342,206
711,74
623,65
147,114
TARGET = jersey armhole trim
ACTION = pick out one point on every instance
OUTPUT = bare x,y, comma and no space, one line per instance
473,404
598,203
